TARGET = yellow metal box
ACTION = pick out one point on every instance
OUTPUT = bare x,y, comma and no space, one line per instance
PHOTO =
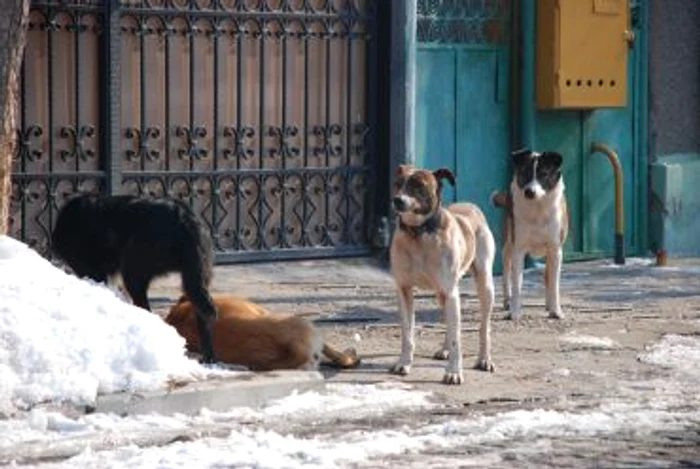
582,48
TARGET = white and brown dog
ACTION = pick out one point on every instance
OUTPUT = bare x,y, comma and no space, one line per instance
536,222
433,247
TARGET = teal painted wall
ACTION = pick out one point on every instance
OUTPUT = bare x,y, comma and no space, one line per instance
436,111
675,219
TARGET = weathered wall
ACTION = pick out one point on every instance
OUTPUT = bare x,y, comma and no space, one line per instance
674,77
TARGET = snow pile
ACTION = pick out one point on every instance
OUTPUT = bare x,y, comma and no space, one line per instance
678,352
67,339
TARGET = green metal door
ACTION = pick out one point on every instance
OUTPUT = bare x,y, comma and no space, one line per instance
625,131
462,97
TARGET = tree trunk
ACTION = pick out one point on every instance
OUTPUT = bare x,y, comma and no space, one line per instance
13,32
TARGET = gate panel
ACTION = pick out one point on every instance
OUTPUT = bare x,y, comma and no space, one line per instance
462,108
267,119
58,149
256,113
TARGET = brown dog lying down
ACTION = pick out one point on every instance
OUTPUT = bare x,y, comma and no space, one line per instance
247,334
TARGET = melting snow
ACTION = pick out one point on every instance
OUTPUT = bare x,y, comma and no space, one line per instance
678,352
260,448
632,415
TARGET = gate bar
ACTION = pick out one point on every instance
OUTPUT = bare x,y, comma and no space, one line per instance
111,122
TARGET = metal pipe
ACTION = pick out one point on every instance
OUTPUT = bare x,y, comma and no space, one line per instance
619,199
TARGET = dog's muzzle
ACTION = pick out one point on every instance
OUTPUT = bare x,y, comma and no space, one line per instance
400,204
529,193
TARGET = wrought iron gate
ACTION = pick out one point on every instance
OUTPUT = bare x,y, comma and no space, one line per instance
260,113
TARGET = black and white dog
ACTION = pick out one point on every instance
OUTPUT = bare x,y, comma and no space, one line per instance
536,222
140,239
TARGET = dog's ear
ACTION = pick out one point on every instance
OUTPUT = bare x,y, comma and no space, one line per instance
551,159
444,173
520,156
403,169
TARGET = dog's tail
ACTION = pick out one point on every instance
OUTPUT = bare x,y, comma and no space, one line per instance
499,199
346,359
196,276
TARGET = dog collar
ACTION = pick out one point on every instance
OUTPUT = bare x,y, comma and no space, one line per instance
429,226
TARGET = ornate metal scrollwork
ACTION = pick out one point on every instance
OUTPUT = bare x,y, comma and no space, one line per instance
77,138
238,135
191,138
143,149
325,136
26,150
463,22
284,148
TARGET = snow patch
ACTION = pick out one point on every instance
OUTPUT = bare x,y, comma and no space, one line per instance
631,262
681,269
575,341
68,339
559,373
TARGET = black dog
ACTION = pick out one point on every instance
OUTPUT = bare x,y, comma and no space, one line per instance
141,239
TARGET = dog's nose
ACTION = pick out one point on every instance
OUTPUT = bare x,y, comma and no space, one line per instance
529,193
399,204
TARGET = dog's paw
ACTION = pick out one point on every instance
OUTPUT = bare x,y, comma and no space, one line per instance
556,314
485,365
511,317
400,369
506,304
452,378
351,358
442,354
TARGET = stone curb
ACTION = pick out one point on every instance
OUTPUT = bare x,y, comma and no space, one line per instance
246,390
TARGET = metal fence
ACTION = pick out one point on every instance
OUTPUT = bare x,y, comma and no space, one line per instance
463,21
260,113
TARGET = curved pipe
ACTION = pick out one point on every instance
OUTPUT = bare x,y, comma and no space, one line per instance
619,199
